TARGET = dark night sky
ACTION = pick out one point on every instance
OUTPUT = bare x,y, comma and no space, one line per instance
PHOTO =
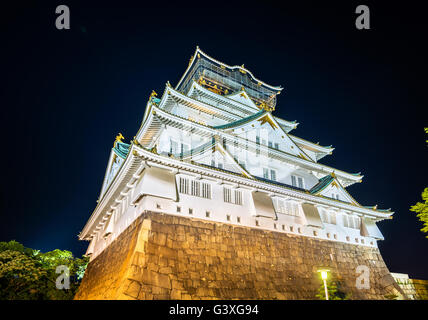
66,94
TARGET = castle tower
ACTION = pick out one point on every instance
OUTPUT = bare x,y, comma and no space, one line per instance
215,198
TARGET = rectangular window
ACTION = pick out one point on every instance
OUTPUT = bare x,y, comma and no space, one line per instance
273,175
206,190
345,220
184,150
295,209
173,149
276,146
257,145
184,185
281,206
265,173
238,197
287,207
195,188
227,194
293,181
270,144
357,222
300,180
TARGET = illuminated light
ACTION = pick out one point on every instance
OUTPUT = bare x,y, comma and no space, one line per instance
324,275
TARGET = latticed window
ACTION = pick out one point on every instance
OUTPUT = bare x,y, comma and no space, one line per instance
184,185
232,196
195,188
238,197
328,216
351,221
265,173
300,181
173,147
227,194
280,206
357,222
206,190
287,207
345,221
293,181
273,175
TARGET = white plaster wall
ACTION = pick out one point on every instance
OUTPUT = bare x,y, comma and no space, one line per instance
126,213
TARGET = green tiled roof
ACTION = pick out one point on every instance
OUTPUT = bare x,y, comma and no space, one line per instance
121,149
241,121
322,183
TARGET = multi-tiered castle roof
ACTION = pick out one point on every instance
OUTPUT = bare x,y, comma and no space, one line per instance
213,148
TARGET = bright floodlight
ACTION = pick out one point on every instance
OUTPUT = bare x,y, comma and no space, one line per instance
324,275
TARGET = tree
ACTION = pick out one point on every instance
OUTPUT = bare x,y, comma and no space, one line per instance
421,208
27,274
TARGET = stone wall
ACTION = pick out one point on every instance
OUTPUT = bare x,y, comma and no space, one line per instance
421,288
161,256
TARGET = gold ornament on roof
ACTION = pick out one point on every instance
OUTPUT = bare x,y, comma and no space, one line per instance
267,119
119,138
266,107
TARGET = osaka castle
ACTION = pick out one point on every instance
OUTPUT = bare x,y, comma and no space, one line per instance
209,177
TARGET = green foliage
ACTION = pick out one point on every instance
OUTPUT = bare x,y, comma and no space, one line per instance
333,292
16,246
421,208
27,274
